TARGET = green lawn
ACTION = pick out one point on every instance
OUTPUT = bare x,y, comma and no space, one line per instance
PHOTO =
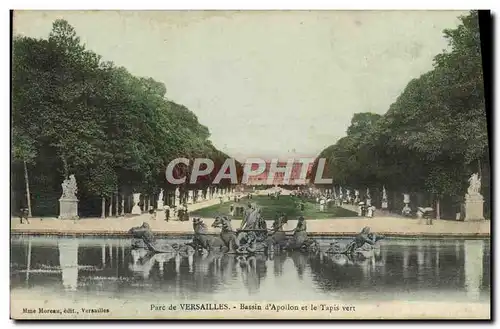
286,204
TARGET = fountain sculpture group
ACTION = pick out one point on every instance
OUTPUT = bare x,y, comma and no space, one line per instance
252,237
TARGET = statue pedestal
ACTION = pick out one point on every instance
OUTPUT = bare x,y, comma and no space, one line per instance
384,205
474,207
68,208
160,205
136,210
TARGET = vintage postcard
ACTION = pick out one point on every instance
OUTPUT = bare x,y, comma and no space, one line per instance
249,165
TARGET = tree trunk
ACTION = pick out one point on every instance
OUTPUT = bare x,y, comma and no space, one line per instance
28,194
110,213
438,209
123,205
103,207
116,204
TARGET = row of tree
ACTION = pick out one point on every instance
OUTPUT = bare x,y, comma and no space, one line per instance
432,138
73,113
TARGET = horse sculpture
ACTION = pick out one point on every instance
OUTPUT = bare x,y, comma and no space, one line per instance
143,237
204,240
357,245
239,242
300,240
227,235
277,239
255,237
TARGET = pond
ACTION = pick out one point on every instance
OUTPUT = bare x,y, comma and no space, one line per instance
400,269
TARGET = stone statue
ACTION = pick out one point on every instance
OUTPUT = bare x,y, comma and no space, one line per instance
69,188
68,203
356,196
160,205
177,197
474,201
368,196
474,184
384,198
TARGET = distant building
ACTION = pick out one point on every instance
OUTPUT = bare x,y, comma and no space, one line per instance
279,176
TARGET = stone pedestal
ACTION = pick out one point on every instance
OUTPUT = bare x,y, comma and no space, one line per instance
474,207
160,205
136,210
384,204
68,208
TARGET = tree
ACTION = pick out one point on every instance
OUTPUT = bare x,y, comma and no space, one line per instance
435,133
23,150
73,113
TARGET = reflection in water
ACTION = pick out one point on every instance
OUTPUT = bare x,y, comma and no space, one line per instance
68,260
419,269
473,267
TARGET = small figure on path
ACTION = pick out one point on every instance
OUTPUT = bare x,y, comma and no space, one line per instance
185,213
370,211
361,209
167,213
425,213
322,205
152,212
23,214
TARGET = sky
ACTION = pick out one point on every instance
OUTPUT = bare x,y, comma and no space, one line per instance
267,84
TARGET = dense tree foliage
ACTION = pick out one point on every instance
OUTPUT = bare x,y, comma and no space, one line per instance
73,113
432,138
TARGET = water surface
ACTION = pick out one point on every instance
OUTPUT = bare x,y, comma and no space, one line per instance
413,270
